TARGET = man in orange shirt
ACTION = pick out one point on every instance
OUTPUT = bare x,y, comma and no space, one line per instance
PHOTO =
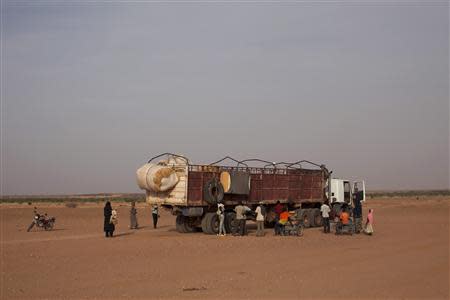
344,217
279,225
284,217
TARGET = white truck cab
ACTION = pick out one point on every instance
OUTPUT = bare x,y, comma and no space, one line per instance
342,191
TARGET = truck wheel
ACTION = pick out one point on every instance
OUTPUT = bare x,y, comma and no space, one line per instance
230,222
210,223
317,217
213,224
213,191
300,231
304,217
311,216
189,224
204,221
179,224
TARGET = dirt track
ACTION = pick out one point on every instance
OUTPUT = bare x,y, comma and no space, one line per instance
408,257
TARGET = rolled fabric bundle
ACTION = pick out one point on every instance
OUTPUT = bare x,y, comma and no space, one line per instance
156,178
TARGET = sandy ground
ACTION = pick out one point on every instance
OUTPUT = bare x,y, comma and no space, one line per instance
408,257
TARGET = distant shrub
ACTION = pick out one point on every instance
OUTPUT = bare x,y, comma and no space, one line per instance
71,204
415,194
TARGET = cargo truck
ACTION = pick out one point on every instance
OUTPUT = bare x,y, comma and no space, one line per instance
192,191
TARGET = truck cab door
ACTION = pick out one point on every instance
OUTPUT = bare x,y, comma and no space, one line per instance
347,192
359,190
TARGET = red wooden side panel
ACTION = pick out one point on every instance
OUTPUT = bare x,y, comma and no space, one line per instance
265,185
256,184
195,188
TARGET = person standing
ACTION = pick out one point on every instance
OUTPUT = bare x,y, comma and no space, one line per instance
278,209
133,216
259,220
325,210
369,223
155,215
107,226
221,215
113,222
357,210
241,218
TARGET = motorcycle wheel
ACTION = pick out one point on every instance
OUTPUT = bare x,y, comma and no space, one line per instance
49,226
29,227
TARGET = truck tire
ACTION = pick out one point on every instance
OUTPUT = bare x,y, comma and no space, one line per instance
230,222
317,216
304,217
204,221
210,223
184,224
189,224
300,231
213,191
213,224
179,224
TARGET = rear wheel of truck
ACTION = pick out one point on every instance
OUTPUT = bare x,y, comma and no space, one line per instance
189,224
304,217
210,223
179,224
185,224
300,231
203,224
230,222
317,216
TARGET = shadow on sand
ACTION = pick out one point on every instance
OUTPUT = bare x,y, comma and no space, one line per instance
124,234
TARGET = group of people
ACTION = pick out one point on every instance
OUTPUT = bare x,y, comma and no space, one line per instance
240,226
344,217
111,218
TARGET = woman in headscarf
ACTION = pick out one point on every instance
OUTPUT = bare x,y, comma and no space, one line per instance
107,226
369,223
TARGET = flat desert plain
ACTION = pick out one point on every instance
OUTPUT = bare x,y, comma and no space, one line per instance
408,257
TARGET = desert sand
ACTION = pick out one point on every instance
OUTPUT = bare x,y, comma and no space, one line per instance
407,257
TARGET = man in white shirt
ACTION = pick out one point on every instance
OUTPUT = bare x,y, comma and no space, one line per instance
325,210
241,218
221,215
259,220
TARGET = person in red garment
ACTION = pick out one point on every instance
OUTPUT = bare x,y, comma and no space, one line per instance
278,209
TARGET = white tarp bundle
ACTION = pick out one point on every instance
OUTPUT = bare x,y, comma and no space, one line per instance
157,178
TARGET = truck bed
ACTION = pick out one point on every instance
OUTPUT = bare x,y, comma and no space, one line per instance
266,184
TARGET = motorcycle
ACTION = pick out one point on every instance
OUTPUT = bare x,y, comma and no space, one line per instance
42,221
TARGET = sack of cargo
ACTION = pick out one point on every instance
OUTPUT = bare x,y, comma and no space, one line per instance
156,178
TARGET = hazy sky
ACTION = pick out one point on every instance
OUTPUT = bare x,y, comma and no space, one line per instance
92,90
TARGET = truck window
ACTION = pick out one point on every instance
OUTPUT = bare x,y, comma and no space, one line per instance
347,193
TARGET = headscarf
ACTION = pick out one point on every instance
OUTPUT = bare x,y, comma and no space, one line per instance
107,209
